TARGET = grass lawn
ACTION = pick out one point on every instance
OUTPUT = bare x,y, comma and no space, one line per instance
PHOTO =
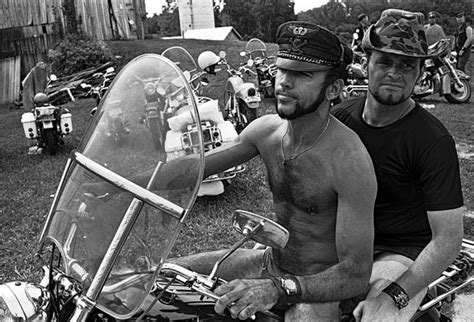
27,181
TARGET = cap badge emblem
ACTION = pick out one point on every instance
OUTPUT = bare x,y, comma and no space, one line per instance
300,31
297,44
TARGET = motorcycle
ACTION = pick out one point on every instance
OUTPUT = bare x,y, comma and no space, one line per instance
47,123
241,99
109,256
357,82
215,130
256,53
98,84
440,76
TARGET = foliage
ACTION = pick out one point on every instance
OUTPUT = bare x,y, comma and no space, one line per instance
251,19
76,53
342,17
167,23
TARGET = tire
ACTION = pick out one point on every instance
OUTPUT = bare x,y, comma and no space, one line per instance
50,141
458,96
155,134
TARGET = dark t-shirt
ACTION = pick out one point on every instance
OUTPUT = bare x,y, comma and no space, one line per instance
417,170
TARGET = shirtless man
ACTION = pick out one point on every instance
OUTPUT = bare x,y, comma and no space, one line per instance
323,187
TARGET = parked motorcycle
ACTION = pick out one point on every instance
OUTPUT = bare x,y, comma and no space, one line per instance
256,53
441,77
215,130
241,99
47,123
96,86
357,82
106,256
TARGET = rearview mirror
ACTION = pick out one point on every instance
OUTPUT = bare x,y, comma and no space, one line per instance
263,230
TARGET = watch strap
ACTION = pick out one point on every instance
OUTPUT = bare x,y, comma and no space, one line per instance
282,296
285,299
398,294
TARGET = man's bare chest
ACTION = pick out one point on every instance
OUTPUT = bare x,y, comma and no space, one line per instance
304,182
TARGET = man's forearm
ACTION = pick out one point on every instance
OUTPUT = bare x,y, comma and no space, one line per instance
429,265
344,280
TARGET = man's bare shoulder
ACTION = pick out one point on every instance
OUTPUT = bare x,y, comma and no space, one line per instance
263,126
351,163
349,150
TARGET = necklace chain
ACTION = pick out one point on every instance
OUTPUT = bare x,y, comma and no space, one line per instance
285,159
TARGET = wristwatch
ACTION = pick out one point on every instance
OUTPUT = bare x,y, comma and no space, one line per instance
398,294
289,290
289,285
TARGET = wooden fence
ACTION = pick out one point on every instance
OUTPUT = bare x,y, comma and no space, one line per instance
9,80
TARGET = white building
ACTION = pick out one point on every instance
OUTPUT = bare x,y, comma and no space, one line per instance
195,14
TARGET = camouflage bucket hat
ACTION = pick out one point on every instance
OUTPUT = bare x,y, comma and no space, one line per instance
398,32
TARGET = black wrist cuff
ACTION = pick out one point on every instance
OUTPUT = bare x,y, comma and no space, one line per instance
282,298
398,294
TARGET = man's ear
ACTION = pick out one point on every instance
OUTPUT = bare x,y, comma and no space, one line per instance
334,90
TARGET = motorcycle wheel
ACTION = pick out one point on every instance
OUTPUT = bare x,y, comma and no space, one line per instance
50,141
155,134
459,95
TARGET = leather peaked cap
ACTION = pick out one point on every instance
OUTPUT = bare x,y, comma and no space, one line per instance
304,46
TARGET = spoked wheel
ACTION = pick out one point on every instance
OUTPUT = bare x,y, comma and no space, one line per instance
459,94
50,141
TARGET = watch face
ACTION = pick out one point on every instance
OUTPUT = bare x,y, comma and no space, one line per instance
289,286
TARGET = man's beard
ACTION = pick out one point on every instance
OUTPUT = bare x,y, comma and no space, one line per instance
389,100
300,111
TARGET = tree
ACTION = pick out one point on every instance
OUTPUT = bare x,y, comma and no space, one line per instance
166,23
259,18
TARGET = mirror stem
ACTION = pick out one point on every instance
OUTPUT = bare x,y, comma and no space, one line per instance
237,245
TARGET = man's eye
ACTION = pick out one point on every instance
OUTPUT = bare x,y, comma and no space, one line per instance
306,74
408,66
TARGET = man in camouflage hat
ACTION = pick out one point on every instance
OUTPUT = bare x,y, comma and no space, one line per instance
323,187
418,219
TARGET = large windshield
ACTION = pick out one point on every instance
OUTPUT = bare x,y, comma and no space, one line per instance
122,199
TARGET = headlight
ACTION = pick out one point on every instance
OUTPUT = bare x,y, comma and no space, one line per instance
23,301
150,89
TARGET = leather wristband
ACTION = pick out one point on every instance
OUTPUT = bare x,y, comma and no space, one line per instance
398,294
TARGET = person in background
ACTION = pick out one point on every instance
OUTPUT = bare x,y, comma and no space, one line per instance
418,217
463,41
35,82
434,32
359,32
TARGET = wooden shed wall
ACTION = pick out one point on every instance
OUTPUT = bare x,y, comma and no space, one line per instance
9,79
28,28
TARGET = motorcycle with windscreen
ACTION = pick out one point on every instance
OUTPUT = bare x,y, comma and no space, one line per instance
105,255
109,256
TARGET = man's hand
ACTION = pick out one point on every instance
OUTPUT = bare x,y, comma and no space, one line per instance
244,298
380,308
